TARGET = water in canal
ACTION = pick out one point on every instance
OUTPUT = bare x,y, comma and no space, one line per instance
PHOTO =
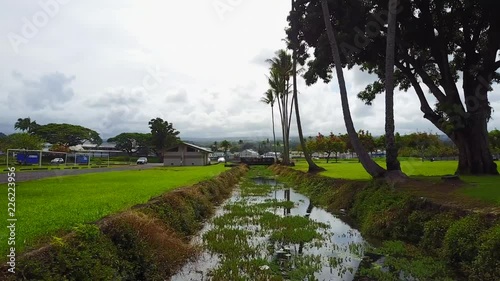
267,231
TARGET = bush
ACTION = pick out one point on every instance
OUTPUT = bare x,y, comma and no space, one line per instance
435,230
486,266
85,255
460,245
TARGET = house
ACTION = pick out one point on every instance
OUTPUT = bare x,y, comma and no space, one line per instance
249,153
186,154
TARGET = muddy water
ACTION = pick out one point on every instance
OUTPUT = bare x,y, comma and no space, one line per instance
334,255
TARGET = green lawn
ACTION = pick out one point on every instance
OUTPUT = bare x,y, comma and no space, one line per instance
352,169
44,207
485,188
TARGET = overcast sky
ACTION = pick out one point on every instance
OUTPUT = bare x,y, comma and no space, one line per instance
113,65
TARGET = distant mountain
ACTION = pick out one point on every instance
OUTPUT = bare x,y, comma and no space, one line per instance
2,135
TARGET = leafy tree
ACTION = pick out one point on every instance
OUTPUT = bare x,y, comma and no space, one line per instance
215,146
421,142
67,134
367,140
21,141
439,44
26,125
226,145
494,137
329,145
163,136
131,143
59,148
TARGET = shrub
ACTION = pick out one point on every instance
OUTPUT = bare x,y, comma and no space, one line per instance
435,230
486,266
85,255
460,245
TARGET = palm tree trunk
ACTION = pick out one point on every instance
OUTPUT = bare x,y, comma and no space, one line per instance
370,166
274,135
313,168
391,149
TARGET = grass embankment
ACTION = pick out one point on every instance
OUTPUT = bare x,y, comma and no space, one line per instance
425,240
484,188
147,242
54,205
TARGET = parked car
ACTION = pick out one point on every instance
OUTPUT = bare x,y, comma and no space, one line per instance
142,160
221,160
57,161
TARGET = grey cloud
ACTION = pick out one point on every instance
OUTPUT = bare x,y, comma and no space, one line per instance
180,97
116,97
51,91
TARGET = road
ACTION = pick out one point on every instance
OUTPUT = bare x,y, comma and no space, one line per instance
35,175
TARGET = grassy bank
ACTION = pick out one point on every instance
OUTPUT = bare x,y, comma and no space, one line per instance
484,188
426,240
54,205
147,242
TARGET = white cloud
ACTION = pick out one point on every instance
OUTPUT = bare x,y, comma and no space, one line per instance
91,65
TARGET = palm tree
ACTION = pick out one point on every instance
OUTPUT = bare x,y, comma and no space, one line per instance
313,168
279,81
370,166
392,162
269,98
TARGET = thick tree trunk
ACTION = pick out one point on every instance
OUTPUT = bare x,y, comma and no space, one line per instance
370,166
474,153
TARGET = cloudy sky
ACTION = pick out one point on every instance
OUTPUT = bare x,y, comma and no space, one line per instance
114,65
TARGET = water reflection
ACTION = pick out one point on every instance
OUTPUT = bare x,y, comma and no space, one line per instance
336,256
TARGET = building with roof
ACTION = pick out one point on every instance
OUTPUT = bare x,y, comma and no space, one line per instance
186,154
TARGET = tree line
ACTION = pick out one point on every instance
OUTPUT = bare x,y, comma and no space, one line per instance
32,136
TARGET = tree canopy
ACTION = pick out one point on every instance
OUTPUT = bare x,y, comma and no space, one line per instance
21,141
131,142
67,134
440,44
163,135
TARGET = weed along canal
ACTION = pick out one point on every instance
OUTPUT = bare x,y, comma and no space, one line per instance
267,231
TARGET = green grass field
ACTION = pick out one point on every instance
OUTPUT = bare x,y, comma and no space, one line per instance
352,169
45,207
486,188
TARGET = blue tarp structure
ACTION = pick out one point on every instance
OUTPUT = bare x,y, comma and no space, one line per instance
27,158
82,159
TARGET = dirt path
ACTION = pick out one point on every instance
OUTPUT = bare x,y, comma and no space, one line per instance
35,175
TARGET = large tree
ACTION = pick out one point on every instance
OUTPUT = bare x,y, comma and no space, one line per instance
441,44
163,136
131,143
67,134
